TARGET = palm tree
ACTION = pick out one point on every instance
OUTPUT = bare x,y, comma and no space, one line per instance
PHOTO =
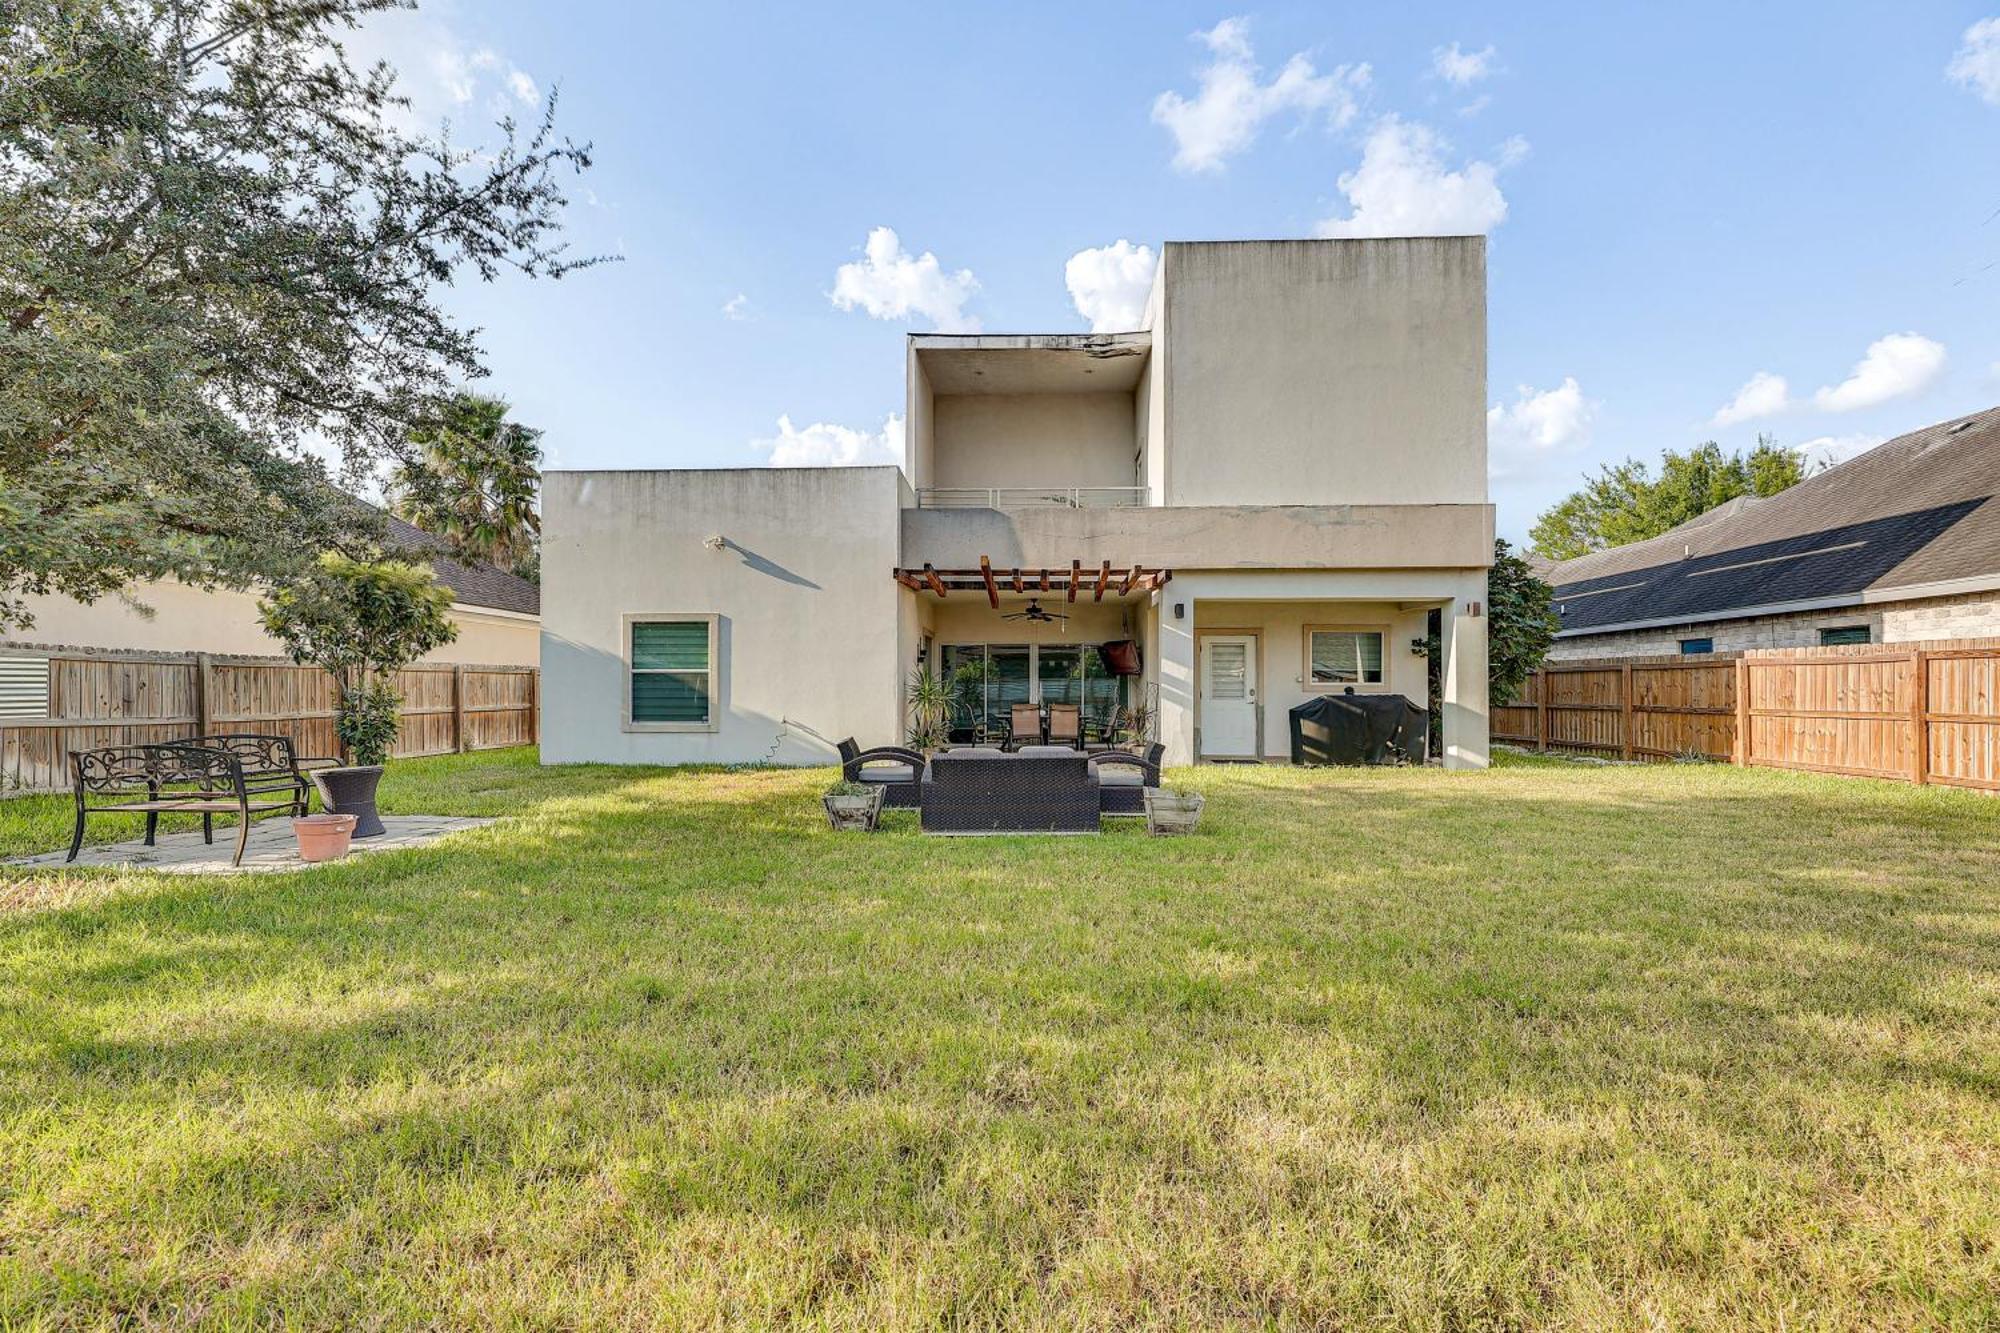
474,481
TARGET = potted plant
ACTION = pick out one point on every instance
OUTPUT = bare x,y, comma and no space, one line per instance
1169,812
361,621
853,805
930,701
323,837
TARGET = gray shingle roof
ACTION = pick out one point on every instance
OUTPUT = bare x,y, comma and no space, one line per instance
478,584
1918,510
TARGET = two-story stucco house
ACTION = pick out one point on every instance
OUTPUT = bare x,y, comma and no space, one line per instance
1266,490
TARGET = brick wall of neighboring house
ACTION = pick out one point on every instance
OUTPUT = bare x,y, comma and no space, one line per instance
1974,615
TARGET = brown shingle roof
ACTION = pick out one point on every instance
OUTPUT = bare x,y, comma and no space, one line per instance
477,584
1918,510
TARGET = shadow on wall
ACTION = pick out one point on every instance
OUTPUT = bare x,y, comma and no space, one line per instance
583,717
761,565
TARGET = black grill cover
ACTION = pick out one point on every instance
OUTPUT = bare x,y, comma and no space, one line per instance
1359,729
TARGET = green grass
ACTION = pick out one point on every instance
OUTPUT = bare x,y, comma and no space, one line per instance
1552,1045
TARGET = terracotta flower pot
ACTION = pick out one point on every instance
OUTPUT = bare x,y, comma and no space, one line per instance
323,837
351,791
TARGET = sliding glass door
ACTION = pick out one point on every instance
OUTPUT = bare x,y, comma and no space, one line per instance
986,680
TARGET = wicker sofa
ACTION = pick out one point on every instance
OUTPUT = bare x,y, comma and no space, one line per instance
1039,789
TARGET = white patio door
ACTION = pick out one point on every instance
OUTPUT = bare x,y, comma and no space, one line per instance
1229,696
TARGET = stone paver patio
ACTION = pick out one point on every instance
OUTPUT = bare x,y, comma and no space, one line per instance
271,848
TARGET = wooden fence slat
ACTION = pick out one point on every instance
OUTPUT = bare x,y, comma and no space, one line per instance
100,697
1926,712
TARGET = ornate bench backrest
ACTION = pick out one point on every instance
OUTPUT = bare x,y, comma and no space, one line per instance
258,753
122,768
201,765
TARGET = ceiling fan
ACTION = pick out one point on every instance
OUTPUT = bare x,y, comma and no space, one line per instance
1033,612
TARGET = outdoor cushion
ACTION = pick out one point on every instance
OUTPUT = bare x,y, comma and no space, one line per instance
888,773
1120,775
1047,751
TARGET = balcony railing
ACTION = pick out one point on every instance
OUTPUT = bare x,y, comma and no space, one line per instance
1030,497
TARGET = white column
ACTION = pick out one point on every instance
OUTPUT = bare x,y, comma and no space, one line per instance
1466,732
1177,677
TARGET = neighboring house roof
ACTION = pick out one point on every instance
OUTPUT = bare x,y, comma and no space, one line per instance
478,584
1914,513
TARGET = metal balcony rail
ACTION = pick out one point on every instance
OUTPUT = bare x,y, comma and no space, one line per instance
1031,497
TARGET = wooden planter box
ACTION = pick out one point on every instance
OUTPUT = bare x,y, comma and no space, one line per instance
859,813
1167,813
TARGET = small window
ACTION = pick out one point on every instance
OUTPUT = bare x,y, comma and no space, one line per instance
1834,637
1344,656
24,686
670,673
1691,646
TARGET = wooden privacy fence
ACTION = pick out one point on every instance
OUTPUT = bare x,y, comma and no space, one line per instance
96,698
1916,712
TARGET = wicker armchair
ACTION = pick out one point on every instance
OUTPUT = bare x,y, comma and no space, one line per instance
1123,777
899,772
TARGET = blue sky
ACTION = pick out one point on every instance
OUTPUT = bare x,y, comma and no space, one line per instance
1681,199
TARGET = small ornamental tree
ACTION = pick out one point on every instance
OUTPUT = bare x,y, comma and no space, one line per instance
362,621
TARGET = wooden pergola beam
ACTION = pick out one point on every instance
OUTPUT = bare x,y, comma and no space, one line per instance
931,577
1103,577
1017,578
1075,577
992,589
1045,578
1130,579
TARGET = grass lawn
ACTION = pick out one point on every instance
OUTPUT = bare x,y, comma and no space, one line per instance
1552,1045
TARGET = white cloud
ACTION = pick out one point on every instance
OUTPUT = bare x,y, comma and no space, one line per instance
889,284
443,73
1403,188
1827,450
1976,64
1763,395
824,444
1893,367
1231,105
1536,423
1109,285
738,308
1459,68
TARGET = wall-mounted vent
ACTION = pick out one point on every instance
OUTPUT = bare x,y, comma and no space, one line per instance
24,686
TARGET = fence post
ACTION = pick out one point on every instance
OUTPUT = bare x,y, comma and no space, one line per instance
534,705
458,708
1542,710
1625,710
1740,752
202,707
1920,708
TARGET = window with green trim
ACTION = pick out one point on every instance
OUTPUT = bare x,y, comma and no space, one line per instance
1833,638
671,673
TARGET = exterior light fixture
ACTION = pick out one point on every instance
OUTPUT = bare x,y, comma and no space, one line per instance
715,543
1420,647
1180,610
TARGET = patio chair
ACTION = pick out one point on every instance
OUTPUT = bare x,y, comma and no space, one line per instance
1065,725
1122,778
899,772
1024,721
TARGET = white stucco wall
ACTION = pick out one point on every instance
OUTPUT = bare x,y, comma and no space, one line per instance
1324,372
1034,439
190,620
810,620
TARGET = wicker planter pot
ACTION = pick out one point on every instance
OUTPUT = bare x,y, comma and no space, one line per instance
860,813
351,791
323,837
1167,813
